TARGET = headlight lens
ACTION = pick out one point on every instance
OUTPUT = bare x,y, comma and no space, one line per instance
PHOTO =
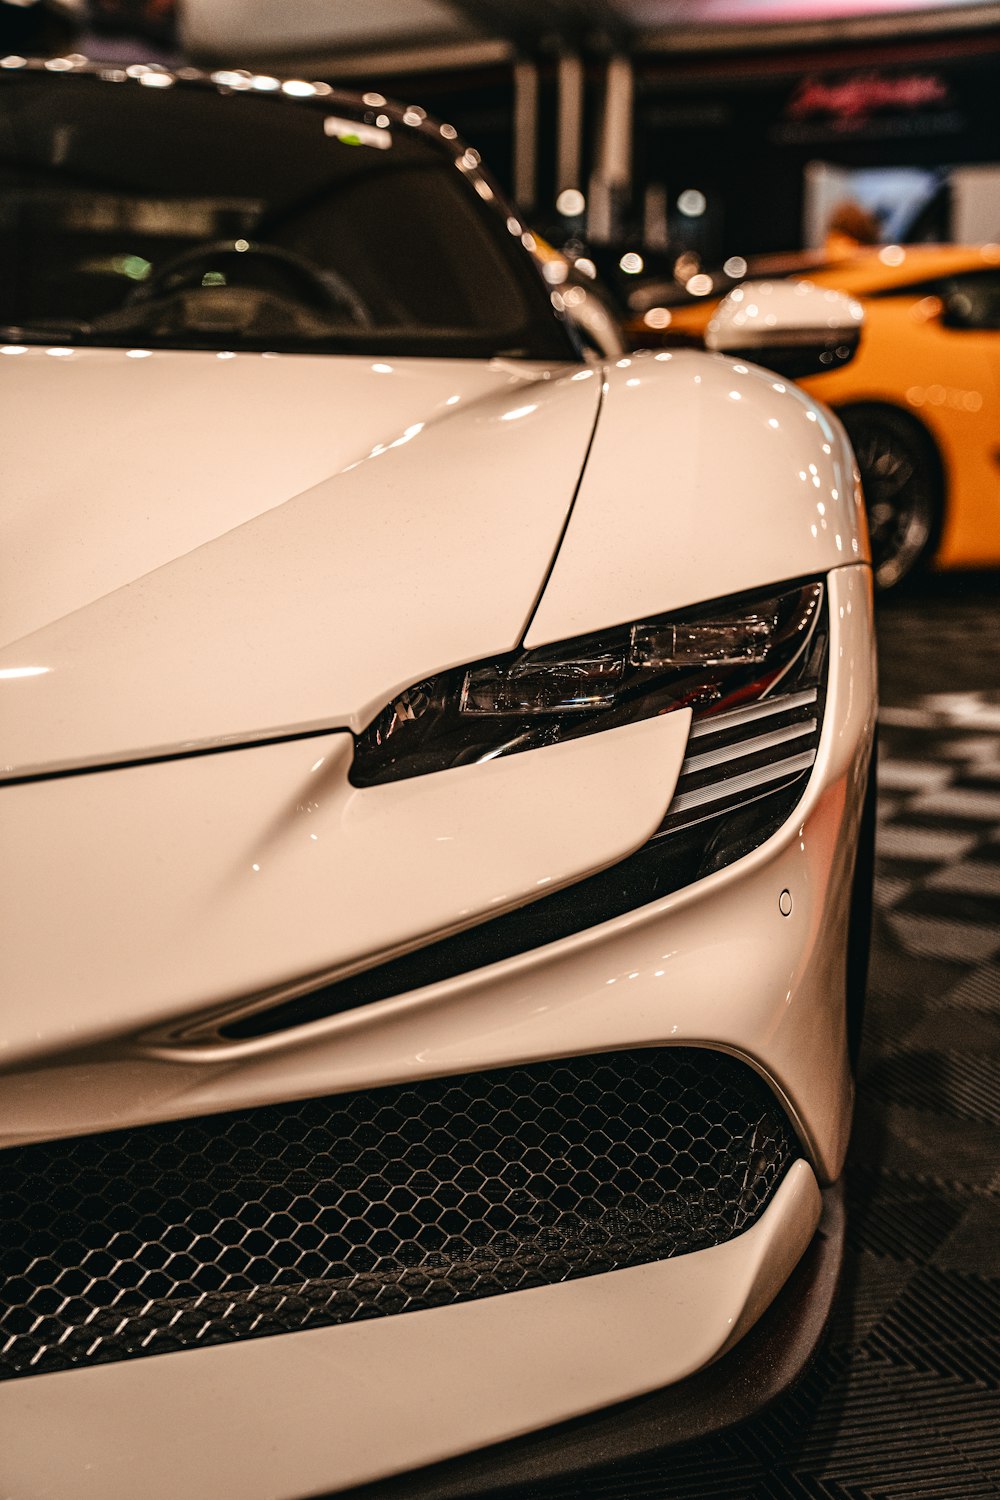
713,659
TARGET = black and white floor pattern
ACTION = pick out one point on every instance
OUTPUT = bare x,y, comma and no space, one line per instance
904,1401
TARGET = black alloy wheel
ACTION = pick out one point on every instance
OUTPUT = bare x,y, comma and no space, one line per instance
902,481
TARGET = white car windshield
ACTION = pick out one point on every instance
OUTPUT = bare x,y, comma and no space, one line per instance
189,216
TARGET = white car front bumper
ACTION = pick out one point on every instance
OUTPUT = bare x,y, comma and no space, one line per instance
718,965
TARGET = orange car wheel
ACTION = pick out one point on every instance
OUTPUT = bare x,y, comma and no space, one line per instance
903,481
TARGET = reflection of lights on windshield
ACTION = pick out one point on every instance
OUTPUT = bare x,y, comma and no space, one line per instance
483,189
226,354
586,267
528,241
60,353
513,225
10,672
157,80
699,286
692,203
242,245
555,272
631,263
214,278
374,99
135,267
574,296
297,88
383,122
658,317
517,412
470,158
13,60
735,267
265,83
571,203
228,79
453,400
138,353
892,255
449,132
58,64
382,369
13,349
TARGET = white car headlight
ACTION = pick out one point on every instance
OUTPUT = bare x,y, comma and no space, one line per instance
713,659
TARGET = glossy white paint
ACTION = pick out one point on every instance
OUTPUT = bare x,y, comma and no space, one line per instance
414,535
761,313
328,531
715,964
305,1414
219,877
707,476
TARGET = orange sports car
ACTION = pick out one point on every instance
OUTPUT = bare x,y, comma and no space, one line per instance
921,400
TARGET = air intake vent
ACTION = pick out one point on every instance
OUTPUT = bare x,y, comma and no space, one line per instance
364,1205
735,757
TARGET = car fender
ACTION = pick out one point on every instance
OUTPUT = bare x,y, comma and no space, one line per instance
707,476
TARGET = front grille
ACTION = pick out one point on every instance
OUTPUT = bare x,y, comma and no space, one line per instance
360,1205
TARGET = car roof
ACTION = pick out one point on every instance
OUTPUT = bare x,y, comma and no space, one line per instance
891,266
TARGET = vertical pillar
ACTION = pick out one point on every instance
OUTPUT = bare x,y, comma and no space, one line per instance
569,137
525,133
616,135
611,180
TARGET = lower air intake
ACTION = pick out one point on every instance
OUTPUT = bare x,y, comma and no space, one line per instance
362,1205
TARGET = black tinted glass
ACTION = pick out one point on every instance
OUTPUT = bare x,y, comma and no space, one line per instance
973,301
183,216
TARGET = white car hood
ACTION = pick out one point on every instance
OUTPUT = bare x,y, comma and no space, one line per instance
202,550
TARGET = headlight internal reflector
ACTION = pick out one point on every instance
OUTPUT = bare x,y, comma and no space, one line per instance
714,658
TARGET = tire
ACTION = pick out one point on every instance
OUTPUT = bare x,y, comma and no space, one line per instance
903,483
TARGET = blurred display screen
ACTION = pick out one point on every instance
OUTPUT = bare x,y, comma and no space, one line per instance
184,217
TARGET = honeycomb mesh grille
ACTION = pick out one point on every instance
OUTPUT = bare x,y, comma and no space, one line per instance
293,1216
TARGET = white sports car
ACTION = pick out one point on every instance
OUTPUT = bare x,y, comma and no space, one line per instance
436,820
